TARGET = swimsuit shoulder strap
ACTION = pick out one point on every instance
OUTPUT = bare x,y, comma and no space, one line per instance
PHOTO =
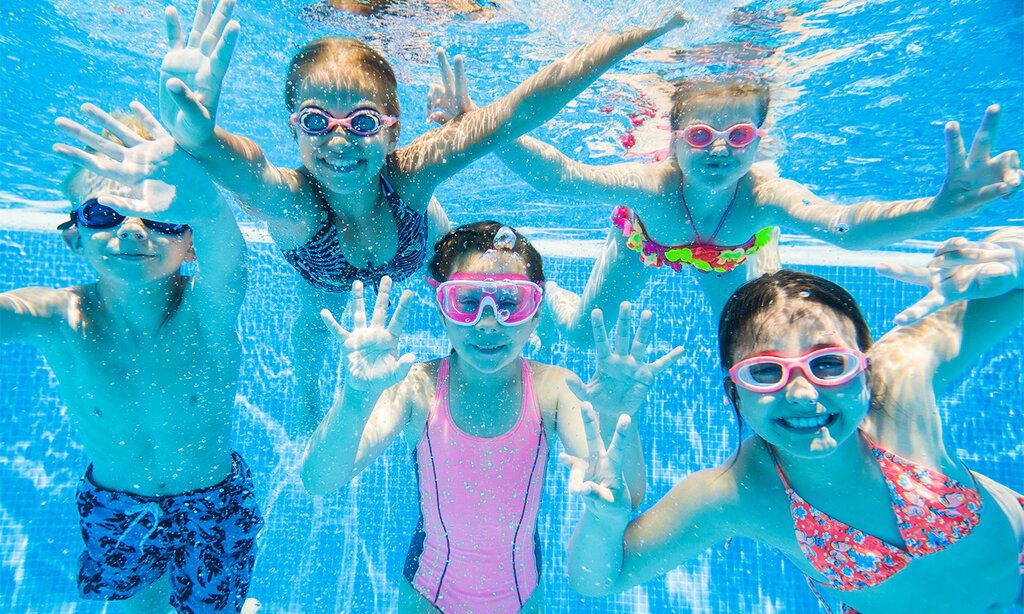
439,408
530,402
778,467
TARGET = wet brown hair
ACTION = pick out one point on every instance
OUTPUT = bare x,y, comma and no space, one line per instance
478,237
689,91
330,60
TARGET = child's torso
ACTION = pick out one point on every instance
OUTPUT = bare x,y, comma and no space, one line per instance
154,414
479,496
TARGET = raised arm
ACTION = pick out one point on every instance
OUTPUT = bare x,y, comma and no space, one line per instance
541,165
972,181
607,552
440,153
191,77
975,299
174,189
375,400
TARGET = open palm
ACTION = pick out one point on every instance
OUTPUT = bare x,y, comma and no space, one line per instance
192,72
370,350
622,378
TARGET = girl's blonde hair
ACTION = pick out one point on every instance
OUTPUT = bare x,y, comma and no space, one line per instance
331,60
689,91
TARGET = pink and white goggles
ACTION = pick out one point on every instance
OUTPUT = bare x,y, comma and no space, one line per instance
736,136
513,298
831,366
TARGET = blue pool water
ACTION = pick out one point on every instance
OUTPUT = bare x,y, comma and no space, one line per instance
867,87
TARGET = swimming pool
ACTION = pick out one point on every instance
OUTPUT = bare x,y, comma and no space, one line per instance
870,86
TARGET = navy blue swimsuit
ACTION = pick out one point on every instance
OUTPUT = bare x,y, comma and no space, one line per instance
321,262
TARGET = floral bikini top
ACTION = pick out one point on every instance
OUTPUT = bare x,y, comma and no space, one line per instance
932,511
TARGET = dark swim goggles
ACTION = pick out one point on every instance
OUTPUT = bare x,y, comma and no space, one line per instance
314,121
92,214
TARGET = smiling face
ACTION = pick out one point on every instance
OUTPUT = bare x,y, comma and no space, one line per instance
717,164
803,419
489,346
341,161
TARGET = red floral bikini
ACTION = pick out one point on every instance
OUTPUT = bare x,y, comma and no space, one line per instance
705,256
932,511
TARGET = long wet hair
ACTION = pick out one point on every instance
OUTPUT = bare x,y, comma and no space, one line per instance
478,238
760,295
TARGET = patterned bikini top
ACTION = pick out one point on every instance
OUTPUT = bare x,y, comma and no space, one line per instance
321,262
706,257
932,511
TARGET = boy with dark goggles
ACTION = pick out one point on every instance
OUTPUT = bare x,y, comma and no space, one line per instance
92,214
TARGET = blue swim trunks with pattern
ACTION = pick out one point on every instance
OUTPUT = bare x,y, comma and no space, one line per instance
203,539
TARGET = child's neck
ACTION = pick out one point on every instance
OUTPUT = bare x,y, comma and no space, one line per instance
842,465
484,383
705,200
356,206
140,309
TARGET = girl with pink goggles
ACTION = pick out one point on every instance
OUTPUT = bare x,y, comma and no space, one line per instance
831,366
513,298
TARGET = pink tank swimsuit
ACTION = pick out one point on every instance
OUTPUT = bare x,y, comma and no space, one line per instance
476,547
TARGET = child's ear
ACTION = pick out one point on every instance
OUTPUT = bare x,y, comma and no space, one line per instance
730,393
393,132
71,238
190,255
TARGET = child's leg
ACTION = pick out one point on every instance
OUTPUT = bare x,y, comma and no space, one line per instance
217,529
154,598
311,342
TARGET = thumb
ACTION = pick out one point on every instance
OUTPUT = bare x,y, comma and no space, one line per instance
932,302
917,275
186,100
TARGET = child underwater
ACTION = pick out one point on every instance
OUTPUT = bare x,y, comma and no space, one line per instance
479,420
842,429
359,207
711,206
147,361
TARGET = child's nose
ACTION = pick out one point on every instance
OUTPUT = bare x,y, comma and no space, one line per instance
488,319
719,147
132,228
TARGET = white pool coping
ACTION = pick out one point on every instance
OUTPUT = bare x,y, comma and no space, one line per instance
795,249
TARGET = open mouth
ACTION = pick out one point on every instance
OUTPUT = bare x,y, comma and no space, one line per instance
718,164
342,166
806,424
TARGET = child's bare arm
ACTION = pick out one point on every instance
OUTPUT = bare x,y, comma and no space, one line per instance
192,75
973,180
27,315
375,402
440,153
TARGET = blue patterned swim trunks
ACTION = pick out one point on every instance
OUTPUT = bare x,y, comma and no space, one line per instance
203,539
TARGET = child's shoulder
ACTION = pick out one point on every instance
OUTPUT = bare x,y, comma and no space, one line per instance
544,374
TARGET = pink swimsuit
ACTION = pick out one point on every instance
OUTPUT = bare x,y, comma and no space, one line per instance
932,511
476,548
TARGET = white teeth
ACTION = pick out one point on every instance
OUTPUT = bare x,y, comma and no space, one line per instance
807,423
342,166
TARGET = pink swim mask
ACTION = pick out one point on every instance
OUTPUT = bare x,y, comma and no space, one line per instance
513,298
831,366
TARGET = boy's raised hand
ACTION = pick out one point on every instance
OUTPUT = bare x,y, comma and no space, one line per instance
155,164
598,478
449,98
193,71
622,378
370,351
976,178
961,270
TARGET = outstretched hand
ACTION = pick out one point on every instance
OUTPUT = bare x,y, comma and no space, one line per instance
192,72
449,98
976,178
961,270
155,164
622,378
370,351
598,478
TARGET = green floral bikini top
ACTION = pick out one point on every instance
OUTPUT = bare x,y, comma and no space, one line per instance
705,256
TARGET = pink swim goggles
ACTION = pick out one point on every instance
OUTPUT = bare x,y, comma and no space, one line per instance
831,366
514,299
736,136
